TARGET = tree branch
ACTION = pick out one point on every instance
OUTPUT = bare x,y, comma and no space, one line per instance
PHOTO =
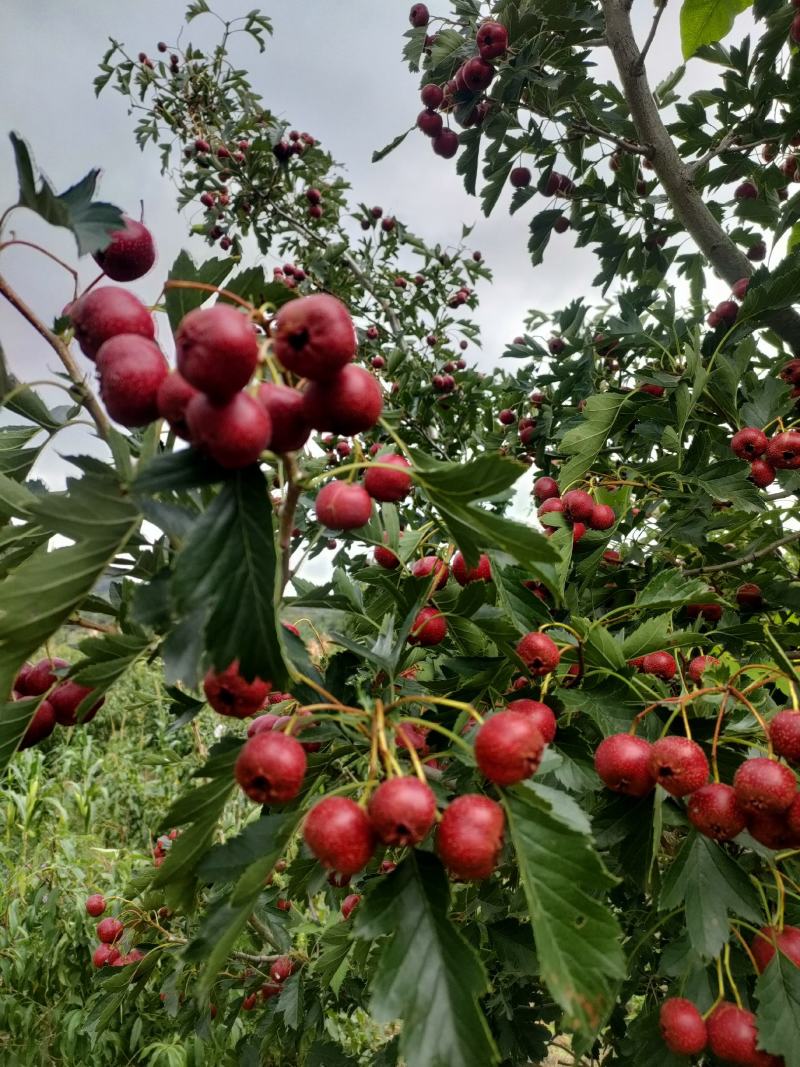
583,126
85,395
748,557
687,203
662,6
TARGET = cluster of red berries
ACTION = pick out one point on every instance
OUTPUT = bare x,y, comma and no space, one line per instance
388,224
163,845
576,505
790,374
347,505
109,933
64,698
289,275
729,1031
429,627
767,454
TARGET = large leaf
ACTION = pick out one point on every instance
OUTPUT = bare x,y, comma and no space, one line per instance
707,21
603,413
710,886
669,589
578,939
426,974
778,994
180,300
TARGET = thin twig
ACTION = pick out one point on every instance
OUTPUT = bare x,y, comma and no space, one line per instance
662,6
697,165
584,126
87,624
748,557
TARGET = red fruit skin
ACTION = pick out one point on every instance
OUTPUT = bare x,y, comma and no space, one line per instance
65,700
683,1030
542,716
95,905
764,785
432,95
714,810
343,505
464,575
545,488
749,597
385,558
314,336
749,443
104,955
402,811
761,473
538,652
659,664
508,748
131,370
131,253
262,724
174,395
492,40
764,947
104,313
784,732
216,350
709,612
110,930
783,451
234,434
349,905
678,764
430,123
388,486
270,768
602,517
281,969
340,835
40,727
429,565
40,676
470,837
347,404
286,409
520,177
419,15
578,505
622,761
732,1037
477,74
775,831
699,665
230,694
429,628
446,144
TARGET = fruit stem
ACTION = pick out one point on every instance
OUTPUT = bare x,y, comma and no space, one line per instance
756,715
447,701
38,248
717,731
727,958
682,699
781,909
746,947
288,509
174,283
428,725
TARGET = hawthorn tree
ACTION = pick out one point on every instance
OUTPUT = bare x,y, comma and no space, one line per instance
525,783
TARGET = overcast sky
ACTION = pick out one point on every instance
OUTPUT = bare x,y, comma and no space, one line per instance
334,69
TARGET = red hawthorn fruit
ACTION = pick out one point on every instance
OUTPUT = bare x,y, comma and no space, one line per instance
229,693
578,530
749,443
540,714
95,905
388,485
287,413
764,785
769,939
402,811
761,473
65,700
347,404
709,612
683,1030
509,747
339,834
130,254
477,74
714,810
419,16
248,1003
428,566
733,1037
745,191
678,764
784,733
432,95
216,350
234,434
283,905
387,866
545,488
622,761
110,930
343,505
349,905
520,177
783,450
790,373
578,505
538,652
659,664
612,557
446,144
428,628
464,575
602,517
551,506
740,287
314,336
104,313
262,723
105,955
699,665
270,767
748,597
40,727
281,969
470,837
410,736
173,398
430,123
296,723
492,40
384,557
131,370
775,831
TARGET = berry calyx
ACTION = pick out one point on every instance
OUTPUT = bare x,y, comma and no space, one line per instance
347,404
339,834
464,575
622,761
764,785
428,628
216,350
130,254
230,694
104,313
131,370
542,716
470,837
683,1030
343,505
714,810
678,764
234,434
538,652
508,748
270,767
402,811
388,485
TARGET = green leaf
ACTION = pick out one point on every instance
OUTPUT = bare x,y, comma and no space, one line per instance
185,469
24,402
603,413
669,589
651,636
226,861
710,885
777,290
479,479
178,300
778,995
426,974
382,153
578,939
707,21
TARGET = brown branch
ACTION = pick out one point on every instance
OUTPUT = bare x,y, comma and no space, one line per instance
748,557
729,261
584,126
84,394
87,624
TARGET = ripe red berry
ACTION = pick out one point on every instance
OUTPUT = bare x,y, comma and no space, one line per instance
431,565
470,837
784,733
714,810
349,905
678,764
347,404
432,95
428,628
216,350
40,727
464,575
709,612
476,74
794,29
545,488
388,485
174,395
263,722
65,700
446,144
105,313
783,450
384,557
492,40
602,517
110,930
749,443
234,434
282,905
520,177
761,473
95,904
430,123
104,955
538,652
287,413
130,254
622,761
542,716
764,785
683,1030
733,1037
270,767
343,505
745,191
229,693
339,834
131,370
419,15
765,943
314,336
578,505
699,665
281,969
776,831
40,677
508,747
659,664
748,597
507,417
402,811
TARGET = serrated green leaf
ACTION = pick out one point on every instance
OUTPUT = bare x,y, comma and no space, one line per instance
180,300
707,21
778,995
670,589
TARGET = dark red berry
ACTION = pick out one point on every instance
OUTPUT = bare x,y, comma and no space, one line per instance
174,396
130,254
769,939
783,450
402,811
216,350
762,473
678,764
66,699
538,652
343,505
339,834
683,1030
234,434
431,565
764,785
349,905
509,747
40,727
347,404
714,810
105,313
622,761
270,767
287,413
314,336
110,930
749,443
131,370
492,40
470,837
578,505
784,733
699,665
659,664
545,488
229,693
